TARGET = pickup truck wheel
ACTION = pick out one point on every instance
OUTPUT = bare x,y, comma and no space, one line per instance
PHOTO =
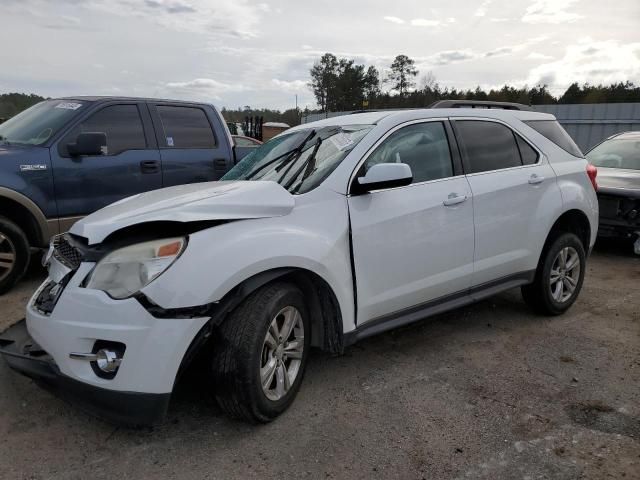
14,254
559,276
261,352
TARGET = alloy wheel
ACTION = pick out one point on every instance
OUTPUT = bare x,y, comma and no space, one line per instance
565,274
282,352
7,256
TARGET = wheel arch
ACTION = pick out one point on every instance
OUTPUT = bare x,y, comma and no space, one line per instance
26,214
572,221
324,309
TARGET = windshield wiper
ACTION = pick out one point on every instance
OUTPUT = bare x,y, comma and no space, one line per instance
308,166
295,154
291,154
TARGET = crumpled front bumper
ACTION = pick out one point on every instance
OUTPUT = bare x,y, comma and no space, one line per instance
25,356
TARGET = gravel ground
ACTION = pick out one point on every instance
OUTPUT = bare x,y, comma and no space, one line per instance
489,391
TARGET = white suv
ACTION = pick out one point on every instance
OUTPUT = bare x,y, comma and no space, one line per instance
329,233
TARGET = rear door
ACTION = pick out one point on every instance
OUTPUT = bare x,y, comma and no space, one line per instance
189,148
514,189
413,245
130,162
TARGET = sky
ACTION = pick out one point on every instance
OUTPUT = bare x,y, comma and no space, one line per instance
258,53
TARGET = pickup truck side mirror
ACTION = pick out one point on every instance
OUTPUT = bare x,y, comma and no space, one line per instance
88,143
383,175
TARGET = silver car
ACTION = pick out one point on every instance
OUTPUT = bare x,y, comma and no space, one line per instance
618,162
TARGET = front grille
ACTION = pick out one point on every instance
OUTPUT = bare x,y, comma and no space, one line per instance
66,253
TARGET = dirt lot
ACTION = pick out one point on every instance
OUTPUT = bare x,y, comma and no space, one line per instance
490,391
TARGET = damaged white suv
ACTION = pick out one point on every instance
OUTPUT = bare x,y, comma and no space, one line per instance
329,233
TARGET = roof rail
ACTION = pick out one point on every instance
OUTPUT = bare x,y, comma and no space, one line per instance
478,104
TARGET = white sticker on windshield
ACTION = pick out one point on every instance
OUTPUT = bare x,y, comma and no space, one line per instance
169,141
341,141
69,105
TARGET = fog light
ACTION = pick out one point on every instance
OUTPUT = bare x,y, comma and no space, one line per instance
107,360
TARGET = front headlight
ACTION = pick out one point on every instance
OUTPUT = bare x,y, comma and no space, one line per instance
125,271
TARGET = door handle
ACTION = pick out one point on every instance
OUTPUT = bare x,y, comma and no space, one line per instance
535,179
454,199
149,166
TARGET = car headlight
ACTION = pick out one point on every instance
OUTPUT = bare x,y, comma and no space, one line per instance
124,272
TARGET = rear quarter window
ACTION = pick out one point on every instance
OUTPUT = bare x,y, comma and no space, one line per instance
554,132
527,152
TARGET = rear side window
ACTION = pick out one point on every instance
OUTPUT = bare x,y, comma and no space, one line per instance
422,146
121,124
245,142
527,152
186,127
553,131
487,145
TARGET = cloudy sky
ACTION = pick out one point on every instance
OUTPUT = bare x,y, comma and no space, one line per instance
258,53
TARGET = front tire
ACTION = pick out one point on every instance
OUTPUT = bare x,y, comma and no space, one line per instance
261,352
14,254
559,276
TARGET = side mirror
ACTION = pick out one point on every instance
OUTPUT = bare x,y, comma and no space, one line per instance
88,143
384,175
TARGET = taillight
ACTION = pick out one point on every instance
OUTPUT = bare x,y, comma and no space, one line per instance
592,171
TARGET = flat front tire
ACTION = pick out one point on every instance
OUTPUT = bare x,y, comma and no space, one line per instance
14,254
559,276
260,354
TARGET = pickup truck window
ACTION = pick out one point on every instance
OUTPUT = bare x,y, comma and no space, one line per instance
301,160
186,127
122,125
38,124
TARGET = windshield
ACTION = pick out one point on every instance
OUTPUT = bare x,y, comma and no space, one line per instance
617,153
39,123
301,160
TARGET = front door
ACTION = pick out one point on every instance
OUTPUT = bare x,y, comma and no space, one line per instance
413,244
130,162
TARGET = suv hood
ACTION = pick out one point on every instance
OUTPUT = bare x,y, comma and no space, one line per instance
233,200
618,181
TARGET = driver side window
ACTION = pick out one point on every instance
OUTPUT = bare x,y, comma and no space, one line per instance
422,146
122,125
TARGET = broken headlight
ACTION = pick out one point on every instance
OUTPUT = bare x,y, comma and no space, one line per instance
124,272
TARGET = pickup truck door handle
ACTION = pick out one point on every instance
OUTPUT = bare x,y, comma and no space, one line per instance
149,166
454,199
536,179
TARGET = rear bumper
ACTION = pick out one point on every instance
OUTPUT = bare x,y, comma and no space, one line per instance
25,356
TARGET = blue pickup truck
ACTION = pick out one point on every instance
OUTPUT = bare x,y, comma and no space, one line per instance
65,158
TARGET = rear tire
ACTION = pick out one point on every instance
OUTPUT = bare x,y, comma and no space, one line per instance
559,276
15,254
261,352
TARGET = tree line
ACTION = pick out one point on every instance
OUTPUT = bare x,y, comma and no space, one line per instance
238,115
340,84
13,103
